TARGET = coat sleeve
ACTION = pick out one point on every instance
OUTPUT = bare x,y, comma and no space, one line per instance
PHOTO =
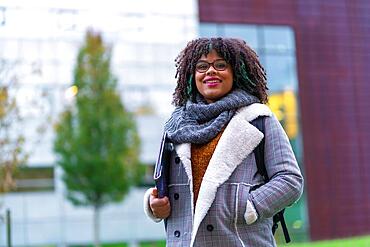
286,181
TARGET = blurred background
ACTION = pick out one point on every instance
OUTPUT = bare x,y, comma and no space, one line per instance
317,58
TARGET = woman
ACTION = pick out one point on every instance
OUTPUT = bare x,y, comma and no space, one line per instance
216,196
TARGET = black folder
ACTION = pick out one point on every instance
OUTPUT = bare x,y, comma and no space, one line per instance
162,166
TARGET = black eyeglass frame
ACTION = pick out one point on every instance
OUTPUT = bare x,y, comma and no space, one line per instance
211,64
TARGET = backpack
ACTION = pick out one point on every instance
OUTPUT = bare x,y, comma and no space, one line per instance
259,153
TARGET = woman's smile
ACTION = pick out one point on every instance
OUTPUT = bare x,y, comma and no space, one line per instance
212,82
216,77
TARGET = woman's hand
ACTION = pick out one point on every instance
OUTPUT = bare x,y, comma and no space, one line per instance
160,206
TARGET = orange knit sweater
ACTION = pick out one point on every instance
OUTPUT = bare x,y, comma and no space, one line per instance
200,156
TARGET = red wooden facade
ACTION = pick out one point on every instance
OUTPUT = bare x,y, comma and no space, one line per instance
333,63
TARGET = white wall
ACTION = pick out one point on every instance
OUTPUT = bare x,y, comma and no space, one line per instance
42,38
46,218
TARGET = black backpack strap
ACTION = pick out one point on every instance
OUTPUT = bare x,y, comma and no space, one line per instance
259,154
259,151
280,217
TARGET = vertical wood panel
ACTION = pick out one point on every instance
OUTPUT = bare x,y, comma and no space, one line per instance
333,62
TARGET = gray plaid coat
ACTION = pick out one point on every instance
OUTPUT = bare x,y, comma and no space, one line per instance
219,217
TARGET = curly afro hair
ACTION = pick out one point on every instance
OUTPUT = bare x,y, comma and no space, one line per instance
248,73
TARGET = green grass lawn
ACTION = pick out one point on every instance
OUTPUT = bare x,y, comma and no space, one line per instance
350,242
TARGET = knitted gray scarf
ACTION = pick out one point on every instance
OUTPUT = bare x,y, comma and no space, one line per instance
200,122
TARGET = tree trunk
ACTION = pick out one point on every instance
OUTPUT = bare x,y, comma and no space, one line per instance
96,226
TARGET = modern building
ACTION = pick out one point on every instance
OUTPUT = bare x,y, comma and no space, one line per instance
39,41
316,54
331,54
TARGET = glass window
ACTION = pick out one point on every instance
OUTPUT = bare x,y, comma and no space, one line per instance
49,72
66,51
208,30
2,44
281,72
48,51
246,32
34,179
274,44
30,51
64,74
144,53
278,38
10,50
276,48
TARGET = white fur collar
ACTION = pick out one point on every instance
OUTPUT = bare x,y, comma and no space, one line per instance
238,133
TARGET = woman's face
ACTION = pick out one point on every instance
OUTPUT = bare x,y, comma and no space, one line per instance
213,77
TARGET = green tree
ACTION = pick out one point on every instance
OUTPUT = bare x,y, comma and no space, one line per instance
96,138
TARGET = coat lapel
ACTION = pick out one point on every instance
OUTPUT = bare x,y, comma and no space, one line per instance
184,152
236,143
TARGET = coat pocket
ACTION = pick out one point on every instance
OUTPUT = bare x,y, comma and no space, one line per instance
242,195
256,234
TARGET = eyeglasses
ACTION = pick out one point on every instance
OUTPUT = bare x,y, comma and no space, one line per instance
218,64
